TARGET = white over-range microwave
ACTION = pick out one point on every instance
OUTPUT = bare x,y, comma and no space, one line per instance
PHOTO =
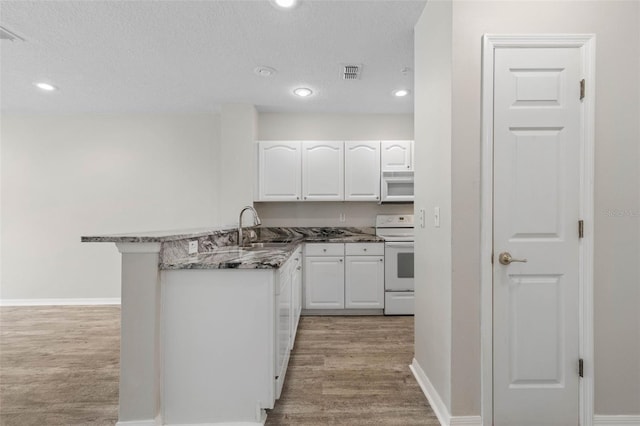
397,187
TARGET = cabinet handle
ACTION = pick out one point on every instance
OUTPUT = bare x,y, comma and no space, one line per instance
381,260
305,198
296,259
340,260
297,198
408,167
324,250
298,268
364,249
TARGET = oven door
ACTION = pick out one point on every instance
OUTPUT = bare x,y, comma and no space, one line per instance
398,267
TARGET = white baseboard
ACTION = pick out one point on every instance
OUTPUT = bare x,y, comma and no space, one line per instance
466,420
138,423
629,420
60,302
437,404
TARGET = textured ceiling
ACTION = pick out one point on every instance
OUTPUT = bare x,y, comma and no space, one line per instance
192,56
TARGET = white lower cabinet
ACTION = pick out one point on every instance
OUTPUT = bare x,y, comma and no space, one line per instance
364,282
283,324
296,292
226,341
324,282
333,281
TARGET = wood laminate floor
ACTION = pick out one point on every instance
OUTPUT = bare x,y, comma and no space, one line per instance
59,366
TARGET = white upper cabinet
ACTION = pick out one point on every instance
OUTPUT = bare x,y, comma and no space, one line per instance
397,155
279,171
322,171
362,171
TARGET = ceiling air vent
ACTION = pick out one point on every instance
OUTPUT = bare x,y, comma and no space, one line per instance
5,34
351,72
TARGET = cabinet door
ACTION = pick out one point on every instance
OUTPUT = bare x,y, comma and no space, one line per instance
279,171
362,171
364,282
397,155
282,323
296,294
322,170
324,282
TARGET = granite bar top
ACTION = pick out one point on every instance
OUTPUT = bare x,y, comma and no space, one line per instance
156,236
218,248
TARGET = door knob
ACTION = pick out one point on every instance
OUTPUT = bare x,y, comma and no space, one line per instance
505,258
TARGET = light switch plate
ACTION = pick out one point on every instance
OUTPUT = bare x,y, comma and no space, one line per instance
193,247
422,214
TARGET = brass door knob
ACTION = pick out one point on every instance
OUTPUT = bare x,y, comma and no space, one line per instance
505,258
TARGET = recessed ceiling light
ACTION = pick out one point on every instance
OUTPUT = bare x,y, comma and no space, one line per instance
400,93
285,4
45,86
303,92
263,71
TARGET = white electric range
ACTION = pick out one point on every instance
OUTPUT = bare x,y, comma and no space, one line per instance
398,234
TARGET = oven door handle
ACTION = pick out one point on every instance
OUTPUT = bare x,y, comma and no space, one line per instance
399,245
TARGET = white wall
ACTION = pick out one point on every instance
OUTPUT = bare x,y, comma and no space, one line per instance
300,126
67,176
73,175
617,187
307,126
236,161
433,189
326,213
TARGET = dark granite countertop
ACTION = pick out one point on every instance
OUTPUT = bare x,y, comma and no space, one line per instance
218,247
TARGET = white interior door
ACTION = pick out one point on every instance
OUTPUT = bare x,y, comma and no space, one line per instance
536,182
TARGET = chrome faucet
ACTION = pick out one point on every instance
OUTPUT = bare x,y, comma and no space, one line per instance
256,221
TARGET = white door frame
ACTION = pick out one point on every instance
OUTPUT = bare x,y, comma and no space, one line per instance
586,44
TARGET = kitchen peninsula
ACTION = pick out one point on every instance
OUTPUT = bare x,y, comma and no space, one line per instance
205,337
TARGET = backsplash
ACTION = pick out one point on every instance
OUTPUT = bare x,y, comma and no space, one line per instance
324,213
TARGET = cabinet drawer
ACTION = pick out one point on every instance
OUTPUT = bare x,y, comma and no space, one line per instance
324,249
364,249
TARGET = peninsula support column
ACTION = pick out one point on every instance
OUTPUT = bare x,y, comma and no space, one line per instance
139,403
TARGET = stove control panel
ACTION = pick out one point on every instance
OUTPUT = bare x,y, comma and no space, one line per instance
394,221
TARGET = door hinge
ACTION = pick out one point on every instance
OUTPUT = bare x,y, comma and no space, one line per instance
581,367
582,89
581,229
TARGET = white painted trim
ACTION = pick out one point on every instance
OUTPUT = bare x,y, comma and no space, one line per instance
138,423
61,302
486,235
466,420
587,207
213,424
586,42
437,404
617,420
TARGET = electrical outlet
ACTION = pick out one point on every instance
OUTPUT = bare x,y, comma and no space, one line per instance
193,247
343,217
423,214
